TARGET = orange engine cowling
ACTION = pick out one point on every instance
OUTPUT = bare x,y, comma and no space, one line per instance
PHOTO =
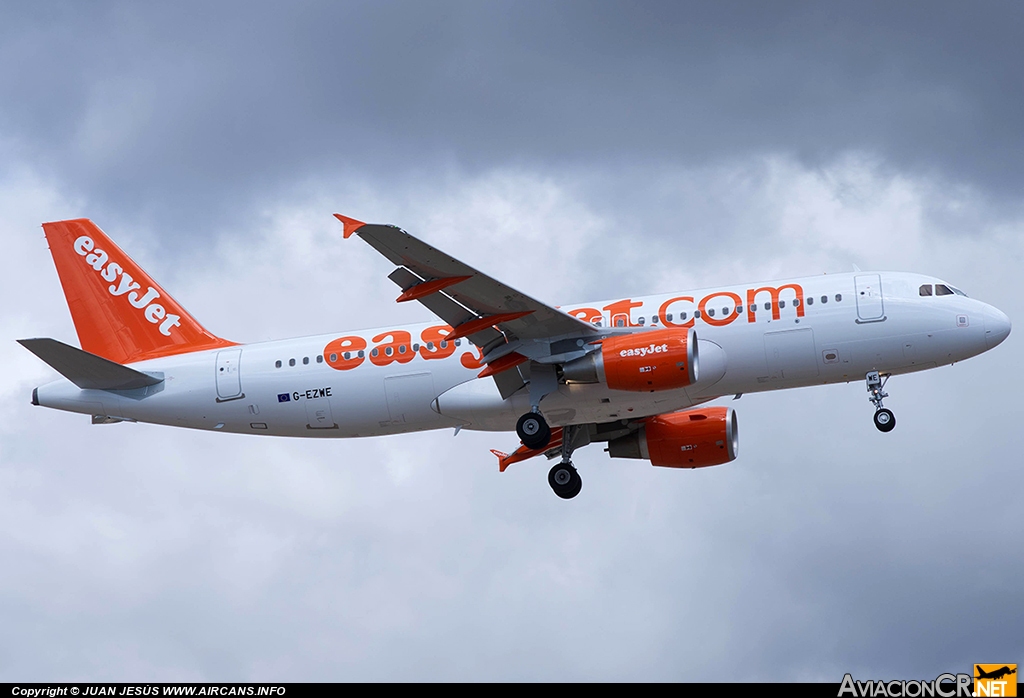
640,362
690,439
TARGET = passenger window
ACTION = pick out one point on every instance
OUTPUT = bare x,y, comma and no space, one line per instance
711,312
305,361
753,307
401,349
444,343
796,302
347,355
824,299
640,320
430,346
782,304
277,364
654,319
319,359
942,290
768,306
725,312
696,313
374,352
334,357
839,297
291,362
415,348
925,290
810,301
458,342
682,316
388,351
361,355
669,317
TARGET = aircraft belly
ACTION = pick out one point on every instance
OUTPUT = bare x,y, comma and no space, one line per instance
478,405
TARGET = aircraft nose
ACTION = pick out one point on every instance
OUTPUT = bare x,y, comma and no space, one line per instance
997,326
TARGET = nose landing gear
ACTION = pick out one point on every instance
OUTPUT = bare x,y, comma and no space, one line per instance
884,419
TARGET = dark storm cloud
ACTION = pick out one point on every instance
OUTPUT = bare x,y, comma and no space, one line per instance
190,111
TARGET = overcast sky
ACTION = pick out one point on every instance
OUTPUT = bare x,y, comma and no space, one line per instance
575,151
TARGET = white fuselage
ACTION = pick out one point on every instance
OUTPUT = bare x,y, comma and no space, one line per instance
845,326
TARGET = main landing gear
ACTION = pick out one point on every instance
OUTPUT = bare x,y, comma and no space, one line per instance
563,478
535,433
533,430
884,419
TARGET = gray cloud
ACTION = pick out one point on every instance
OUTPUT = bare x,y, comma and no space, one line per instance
191,112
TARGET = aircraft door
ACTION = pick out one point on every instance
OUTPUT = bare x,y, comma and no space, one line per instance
869,297
229,380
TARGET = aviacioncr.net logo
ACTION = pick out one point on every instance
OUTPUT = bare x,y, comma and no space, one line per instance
943,686
995,680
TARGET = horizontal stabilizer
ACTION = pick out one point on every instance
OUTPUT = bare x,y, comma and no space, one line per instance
86,370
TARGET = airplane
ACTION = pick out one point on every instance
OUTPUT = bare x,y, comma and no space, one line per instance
995,674
631,373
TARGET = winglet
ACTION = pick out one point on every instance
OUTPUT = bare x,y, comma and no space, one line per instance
351,224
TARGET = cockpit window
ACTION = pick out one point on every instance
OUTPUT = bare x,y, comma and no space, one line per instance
942,290
958,291
926,289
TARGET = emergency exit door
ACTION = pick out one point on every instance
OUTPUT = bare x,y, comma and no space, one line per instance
229,379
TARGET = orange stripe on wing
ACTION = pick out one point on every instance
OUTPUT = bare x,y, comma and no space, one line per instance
425,288
503,364
482,323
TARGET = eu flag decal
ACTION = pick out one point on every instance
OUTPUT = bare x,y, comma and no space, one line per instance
284,397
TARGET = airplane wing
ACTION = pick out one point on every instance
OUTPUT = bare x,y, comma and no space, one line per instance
507,325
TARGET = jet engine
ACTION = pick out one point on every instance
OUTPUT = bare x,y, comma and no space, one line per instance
640,362
691,439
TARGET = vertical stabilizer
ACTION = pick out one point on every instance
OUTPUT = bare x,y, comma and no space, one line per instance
120,313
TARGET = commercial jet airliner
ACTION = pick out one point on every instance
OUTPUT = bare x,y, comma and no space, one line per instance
634,373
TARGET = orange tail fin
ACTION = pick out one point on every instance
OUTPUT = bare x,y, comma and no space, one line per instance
120,313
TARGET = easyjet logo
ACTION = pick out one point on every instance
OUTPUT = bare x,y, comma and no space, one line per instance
398,346
644,351
717,309
122,284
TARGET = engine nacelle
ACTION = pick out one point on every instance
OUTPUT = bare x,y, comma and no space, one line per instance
691,439
641,362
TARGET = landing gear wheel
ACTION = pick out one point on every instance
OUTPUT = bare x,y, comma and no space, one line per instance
885,420
533,430
565,480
